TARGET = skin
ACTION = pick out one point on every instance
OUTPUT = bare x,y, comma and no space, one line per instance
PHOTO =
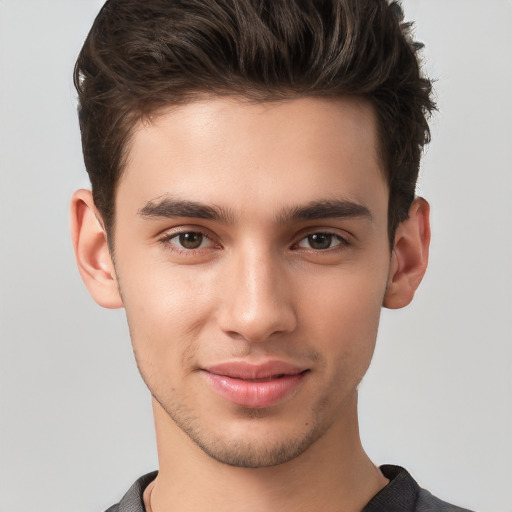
253,284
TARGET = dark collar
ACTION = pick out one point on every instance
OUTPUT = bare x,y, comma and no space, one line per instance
400,495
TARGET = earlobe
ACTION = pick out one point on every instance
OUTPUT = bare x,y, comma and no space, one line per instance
409,258
91,251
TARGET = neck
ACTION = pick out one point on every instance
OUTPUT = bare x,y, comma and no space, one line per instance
333,474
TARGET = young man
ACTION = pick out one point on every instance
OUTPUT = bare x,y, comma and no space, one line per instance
253,168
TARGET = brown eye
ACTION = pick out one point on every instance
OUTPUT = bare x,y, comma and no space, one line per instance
189,243
191,240
320,241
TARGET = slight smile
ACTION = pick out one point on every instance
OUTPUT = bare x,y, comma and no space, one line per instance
255,385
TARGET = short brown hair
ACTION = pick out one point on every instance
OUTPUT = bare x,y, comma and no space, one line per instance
142,55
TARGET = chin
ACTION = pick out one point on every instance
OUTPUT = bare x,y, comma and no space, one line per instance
257,453
258,443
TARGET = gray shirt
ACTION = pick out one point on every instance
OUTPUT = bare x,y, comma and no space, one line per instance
402,494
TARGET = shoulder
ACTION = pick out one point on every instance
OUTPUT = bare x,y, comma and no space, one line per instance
405,495
429,503
133,501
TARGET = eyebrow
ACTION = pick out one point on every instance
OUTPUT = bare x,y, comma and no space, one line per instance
169,207
326,209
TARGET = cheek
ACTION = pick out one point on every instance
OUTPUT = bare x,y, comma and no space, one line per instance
352,336
166,311
343,316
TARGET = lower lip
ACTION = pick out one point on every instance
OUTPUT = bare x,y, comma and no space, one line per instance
255,395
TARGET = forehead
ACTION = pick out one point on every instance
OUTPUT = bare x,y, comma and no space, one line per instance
254,157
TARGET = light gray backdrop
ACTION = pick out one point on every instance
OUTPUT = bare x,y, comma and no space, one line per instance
75,420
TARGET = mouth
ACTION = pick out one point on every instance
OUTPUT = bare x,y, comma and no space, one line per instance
265,379
255,385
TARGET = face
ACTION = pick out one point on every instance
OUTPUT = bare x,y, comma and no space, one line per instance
251,253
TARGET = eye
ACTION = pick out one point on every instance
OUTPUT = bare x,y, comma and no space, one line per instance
321,241
189,240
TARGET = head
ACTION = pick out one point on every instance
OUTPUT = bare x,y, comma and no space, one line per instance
141,57
252,163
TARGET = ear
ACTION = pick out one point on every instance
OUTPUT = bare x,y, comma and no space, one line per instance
409,257
91,251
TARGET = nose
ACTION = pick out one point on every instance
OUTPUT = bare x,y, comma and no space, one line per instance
257,297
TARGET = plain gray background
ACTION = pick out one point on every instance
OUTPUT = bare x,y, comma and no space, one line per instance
75,420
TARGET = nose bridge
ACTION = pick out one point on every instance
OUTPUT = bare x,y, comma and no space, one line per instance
258,303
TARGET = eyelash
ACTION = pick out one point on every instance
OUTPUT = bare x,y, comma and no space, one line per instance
342,242
167,241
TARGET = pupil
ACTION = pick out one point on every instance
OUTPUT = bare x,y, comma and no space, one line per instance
320,241
191,240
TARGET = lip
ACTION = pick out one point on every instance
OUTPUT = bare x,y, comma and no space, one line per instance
255,385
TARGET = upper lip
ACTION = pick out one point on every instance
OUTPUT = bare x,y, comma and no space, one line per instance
248,371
